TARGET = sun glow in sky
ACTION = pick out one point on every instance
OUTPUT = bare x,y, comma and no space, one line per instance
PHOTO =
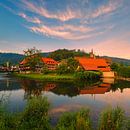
103,25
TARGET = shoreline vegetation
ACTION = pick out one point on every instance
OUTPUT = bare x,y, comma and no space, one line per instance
36,116
46,77
89,76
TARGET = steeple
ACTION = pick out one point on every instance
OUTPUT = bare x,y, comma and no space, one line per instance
92,54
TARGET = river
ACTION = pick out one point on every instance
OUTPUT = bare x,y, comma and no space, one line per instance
66,97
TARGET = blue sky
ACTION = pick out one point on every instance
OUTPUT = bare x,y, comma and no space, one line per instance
103,25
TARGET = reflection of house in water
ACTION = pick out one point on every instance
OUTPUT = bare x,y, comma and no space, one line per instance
49,86
101,89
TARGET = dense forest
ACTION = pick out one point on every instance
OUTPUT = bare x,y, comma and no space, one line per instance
58,55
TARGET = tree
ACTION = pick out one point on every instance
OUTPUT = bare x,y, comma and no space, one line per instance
72,64
33,58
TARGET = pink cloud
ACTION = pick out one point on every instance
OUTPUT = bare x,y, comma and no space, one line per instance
29,19
106,9
66,31
40,10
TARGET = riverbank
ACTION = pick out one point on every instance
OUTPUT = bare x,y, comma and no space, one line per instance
82,76
47,77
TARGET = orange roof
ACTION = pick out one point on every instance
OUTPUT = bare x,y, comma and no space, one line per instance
93,64
49,61
45,60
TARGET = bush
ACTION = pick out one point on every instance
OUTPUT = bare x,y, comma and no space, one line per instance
87,75
63,69
112,119
75,121
35,115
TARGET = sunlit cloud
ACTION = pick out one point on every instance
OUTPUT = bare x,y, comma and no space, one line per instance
42,11
29,19
78,31
106,9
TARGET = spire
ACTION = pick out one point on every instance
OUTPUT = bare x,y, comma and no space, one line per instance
92,54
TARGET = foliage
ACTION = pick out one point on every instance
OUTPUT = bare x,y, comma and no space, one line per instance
63,69
87,75
35,115
72,64
112,119
65,54
115,66
69,65
122,70
33,58
75,121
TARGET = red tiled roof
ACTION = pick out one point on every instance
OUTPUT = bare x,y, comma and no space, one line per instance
93,64
49,61
45,60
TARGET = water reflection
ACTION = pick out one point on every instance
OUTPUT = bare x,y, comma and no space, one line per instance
36,88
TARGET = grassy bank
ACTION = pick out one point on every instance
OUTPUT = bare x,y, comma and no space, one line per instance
86,75
47,77
35,117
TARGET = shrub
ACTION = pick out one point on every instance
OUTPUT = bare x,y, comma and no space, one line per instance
75,121
35,115
87,75
112,119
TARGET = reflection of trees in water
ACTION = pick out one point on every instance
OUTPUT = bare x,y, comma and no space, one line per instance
120,85
35,88
31,88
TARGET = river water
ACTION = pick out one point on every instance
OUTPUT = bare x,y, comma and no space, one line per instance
66,97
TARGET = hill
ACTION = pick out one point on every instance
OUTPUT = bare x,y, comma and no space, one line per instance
119,60
14,58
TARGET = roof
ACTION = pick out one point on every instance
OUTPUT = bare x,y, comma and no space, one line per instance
49,61
93,64
45,60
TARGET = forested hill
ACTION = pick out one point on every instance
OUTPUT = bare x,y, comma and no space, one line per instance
14,58
119,60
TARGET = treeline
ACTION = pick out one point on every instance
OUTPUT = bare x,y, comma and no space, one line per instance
121,70
61,54
35,117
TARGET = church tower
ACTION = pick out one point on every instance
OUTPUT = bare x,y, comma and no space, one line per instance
92,54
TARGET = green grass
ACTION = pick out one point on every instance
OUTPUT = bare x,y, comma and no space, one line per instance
47,77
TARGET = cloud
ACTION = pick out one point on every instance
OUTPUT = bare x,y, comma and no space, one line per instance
105,9
29,19
42,11
70,32
69,22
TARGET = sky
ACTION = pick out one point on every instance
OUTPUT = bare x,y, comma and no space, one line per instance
101,25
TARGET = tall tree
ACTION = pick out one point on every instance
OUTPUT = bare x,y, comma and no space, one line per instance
33,58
